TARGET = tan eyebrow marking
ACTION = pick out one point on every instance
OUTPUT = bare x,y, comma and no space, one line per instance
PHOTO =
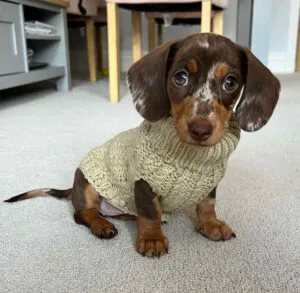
221,70
192,66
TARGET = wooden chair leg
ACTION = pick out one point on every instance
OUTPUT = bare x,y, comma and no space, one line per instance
218,22
136,36
151,34
113,51
206,17
91,48
159,35
99,49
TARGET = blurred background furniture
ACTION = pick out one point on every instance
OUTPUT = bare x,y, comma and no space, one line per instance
206,7
179,18
50,51
92,16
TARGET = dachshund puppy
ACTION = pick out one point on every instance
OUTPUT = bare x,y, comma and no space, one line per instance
187,91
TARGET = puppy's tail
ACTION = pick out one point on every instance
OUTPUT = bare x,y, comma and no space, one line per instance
58,193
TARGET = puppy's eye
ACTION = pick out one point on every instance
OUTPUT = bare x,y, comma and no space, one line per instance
181,78
230,83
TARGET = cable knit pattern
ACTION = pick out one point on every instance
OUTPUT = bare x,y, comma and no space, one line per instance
179,173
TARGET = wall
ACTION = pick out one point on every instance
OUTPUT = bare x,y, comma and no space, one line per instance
78,48
279,35
244,22
261,29
283,35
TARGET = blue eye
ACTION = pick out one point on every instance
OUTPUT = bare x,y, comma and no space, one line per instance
181,78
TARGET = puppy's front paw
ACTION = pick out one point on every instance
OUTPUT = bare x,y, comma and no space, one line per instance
216,230
152,246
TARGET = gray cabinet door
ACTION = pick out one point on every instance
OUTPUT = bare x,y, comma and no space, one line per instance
12,53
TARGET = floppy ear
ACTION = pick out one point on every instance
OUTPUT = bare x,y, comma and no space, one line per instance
260,95
147,83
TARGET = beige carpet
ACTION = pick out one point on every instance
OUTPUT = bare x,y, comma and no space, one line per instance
43,136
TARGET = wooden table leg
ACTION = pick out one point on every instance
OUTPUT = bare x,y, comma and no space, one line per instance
206,17
151,34
136,36
91,48
159,34
113,51
218,22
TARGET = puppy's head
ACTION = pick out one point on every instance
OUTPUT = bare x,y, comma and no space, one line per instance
198,81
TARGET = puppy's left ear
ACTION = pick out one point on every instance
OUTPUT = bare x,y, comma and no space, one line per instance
147,82
260,95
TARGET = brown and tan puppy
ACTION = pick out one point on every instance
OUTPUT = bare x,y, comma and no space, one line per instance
197,81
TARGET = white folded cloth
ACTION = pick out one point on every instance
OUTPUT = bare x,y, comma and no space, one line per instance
39,28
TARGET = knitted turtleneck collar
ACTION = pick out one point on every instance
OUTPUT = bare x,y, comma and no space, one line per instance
163,138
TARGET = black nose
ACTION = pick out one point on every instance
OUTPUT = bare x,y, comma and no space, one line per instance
200,131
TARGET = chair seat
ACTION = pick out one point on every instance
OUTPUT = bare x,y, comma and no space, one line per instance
221,4
65,3
101,15
80,20
90,6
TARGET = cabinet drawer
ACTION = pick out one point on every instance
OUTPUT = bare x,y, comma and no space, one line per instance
12,55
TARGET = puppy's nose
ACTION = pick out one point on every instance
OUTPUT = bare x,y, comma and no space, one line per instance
200,131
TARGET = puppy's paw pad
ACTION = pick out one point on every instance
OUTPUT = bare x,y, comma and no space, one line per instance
152,247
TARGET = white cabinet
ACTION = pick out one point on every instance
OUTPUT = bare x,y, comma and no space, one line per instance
51,52
11,35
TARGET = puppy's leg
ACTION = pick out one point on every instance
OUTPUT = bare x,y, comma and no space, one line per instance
208,224
86,201
150,240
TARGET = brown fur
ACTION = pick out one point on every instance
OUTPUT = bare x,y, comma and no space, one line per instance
57,193
219,117
150,240
181,115
91,197
86,202
144,200
208,224
192,66
221,70
99,226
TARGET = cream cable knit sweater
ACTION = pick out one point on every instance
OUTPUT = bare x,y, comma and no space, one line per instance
179,173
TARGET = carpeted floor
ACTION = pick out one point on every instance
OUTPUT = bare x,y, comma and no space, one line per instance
43,136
